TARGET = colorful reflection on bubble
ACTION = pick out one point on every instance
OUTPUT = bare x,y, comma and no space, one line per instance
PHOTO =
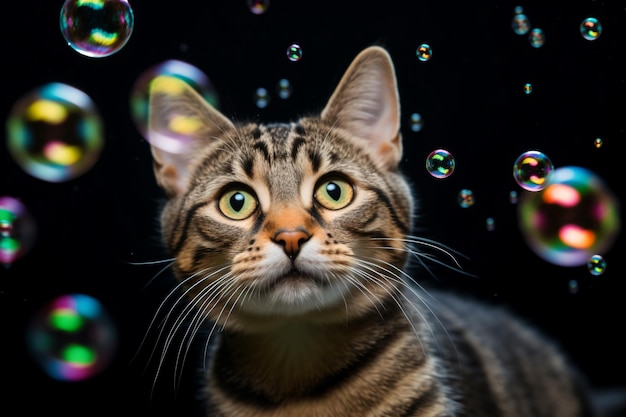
440,163
591,28
294,52
531,170
96,28
520,24
465,198
424,52
140,92
17,230
537,38
55,132
72,337
573,218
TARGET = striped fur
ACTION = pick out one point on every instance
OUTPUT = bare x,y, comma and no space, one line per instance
293,240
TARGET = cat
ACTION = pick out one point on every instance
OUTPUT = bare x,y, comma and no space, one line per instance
292,242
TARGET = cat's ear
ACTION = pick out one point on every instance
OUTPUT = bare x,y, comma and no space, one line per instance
180,122
366,104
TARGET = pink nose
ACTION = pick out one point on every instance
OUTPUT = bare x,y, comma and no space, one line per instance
291,240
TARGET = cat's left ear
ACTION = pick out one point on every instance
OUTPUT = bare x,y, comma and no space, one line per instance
366,104
180,123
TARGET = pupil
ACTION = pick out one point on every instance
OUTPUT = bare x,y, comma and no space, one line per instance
334,191
236,201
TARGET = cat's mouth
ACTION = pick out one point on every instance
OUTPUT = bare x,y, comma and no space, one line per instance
295,277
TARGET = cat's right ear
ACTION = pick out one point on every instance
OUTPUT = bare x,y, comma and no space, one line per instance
180,123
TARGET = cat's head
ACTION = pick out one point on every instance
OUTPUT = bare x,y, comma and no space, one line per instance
306,219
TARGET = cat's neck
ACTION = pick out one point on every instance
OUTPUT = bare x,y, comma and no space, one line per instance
300,357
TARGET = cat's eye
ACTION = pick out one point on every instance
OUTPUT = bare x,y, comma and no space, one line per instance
237,204
334,193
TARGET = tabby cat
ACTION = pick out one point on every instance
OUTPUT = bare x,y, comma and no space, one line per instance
293,242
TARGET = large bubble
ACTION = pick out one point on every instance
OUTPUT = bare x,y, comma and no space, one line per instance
573,218
72,337
55,132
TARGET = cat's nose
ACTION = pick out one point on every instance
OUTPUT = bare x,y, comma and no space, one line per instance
291,240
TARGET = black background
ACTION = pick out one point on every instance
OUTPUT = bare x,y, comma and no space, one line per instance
92,228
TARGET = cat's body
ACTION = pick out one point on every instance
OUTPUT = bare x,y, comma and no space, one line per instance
294,240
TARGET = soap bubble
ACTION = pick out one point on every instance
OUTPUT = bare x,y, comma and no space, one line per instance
417,123
596,265
258,6
573,218
536,38
261,97
294,52
590,28
284,88
531,170
424,52
96,28
72,337
17,230
440,163
465,198
528,88
597,142
140,92
520,24
55,132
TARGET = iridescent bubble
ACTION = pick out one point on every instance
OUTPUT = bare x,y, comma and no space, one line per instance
261,97
513,197
531,170
591,28
284,88
528,88
573,218
96,28
597,142
72,337
55,132
17,230
520,24
294,52
140,92
424,52
258,6
440,163
417,123
596,265
518,10
490,224
537,38
465,198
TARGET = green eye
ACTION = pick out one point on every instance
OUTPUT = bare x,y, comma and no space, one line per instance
237,204
334,193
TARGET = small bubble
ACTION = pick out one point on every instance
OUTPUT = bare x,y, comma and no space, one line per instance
17,230
520,24
258,6
55,132
518,10
261,97
440,163
416,122
536,38
573,287
590,28
528,88
596,265
72,337
490,224
597,142
294,52
424,52
284,88
513,197
531,170
96,28
465,198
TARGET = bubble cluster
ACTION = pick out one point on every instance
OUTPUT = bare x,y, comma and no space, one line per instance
55,132
440,163
17,230
424,52
417,123
591,28
140,92
294,52
531,170
96,28
258,6
536,37
72,337
596,265
573,218
465,198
